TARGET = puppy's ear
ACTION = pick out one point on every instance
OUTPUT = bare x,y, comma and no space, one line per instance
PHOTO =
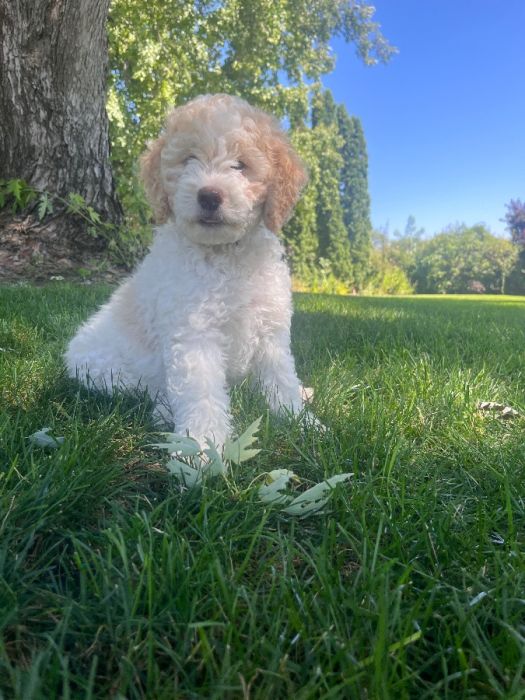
151,179
287,179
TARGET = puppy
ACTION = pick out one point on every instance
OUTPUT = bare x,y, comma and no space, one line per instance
211,303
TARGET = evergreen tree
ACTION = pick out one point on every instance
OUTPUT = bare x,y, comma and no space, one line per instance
300,233
333,238
338,200
515,220
355,199
324,109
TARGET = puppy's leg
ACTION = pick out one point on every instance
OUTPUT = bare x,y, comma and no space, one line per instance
196,387
275,368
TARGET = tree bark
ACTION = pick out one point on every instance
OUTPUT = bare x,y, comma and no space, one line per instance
54,128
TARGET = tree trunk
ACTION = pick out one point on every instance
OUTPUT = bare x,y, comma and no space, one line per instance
54,129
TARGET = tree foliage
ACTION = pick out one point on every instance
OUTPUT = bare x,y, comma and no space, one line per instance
355,199
164,52
386,277
463,260
404,246
339,200
515,220
458,260
334,245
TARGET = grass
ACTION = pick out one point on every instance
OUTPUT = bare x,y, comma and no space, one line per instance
115,584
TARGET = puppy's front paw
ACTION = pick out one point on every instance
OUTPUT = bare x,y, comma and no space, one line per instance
307,417
283,401
307,394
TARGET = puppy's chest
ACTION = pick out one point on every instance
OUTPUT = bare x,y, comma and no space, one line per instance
240,309
242,301
238,283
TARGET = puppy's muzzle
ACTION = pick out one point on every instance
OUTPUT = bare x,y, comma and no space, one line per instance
210,199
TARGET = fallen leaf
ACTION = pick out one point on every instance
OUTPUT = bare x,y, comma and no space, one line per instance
316,497
181,445
277,481
238,451
215,465
499,408
42,439
182,471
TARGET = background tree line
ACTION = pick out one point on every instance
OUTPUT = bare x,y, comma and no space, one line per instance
61,193
329,241
459,260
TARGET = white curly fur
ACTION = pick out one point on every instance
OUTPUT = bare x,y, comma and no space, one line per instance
211,302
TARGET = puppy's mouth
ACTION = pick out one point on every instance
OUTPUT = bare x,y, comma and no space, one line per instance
210,221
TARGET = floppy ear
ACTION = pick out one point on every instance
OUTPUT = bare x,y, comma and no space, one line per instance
151,179
287,179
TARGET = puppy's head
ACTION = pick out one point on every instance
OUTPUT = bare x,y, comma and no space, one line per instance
219,168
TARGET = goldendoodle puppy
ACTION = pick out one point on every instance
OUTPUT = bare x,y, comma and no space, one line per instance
211,302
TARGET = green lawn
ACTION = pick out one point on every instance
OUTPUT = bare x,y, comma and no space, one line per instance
115,584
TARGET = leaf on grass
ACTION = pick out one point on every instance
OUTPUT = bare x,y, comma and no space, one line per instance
183,472
42,439
499,408
315,498
277,481
215,464
477,598
496,538
179,444
238,451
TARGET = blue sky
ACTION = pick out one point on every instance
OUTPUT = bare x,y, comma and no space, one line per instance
445,118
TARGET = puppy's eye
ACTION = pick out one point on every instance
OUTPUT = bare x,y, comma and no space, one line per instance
239,165
189,159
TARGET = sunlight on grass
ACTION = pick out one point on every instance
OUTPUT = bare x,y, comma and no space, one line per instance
115,582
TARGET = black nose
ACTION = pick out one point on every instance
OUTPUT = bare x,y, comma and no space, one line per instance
209,199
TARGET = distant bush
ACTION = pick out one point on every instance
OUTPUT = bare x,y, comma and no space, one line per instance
463,260
320,280
388,279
